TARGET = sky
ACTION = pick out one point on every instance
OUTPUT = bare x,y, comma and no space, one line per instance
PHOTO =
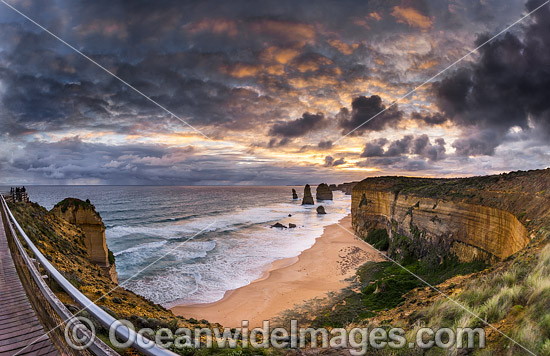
271,92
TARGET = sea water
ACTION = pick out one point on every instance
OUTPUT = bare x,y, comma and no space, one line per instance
188,245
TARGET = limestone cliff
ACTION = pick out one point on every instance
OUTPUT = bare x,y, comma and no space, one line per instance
346,187
479,218
83,215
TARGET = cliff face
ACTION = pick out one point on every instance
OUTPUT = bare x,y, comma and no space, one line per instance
346,187
83,215
471,221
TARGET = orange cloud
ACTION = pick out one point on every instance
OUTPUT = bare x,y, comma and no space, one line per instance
427,64
411,17
375,16
362,23
312,64
279,55
343,47
218,26
241,70
314,82
291,31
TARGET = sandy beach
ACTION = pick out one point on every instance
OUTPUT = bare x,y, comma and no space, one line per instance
289,282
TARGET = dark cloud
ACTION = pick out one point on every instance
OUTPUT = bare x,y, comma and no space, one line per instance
415,165
399,147
419,146
331,162
375,148
274,142
423,147
324,145
299,127
478,143
429,119
507,87
365,108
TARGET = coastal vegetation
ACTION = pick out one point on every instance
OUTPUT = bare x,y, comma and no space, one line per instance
378,286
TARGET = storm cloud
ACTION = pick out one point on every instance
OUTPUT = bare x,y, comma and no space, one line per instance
364,109
275,85
507,87
299,127
419,146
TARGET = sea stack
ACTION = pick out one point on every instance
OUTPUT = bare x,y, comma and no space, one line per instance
83,214
321,210
308,198
323,192
294,194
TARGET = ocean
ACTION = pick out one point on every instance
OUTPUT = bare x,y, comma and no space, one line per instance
189,245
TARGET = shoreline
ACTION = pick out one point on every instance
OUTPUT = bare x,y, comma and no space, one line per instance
289,282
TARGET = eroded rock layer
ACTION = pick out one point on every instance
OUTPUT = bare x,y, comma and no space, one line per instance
83,215
434,226
308,198
323,192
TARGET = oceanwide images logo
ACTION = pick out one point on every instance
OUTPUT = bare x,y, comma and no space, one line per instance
357,340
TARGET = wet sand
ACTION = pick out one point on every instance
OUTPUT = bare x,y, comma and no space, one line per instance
287,283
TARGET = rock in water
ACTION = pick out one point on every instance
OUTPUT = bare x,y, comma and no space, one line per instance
279,225
321,210
308,198
294,195
291,225
323,192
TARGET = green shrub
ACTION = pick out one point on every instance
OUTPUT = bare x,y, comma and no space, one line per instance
379,239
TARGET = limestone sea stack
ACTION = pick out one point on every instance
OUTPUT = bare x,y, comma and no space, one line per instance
294,194
323,192
83,214
321,210
308,198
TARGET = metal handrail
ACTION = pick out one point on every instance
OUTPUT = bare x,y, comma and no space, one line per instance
97,347
143,345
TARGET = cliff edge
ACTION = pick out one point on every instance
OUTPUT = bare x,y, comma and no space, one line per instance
479,218
83,214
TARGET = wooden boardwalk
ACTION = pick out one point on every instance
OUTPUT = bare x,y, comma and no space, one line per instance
19,325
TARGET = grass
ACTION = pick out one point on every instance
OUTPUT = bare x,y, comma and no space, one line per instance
77,203
520,294
380,286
